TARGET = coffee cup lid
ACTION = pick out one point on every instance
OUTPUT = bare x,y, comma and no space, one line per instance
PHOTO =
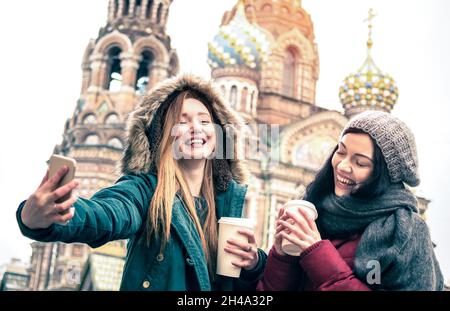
242,222
302,203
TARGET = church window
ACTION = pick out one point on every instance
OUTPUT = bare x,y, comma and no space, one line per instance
115,143
143,72
159,13
233,96
112,119
89,119
126,7
114,69
148,11
267,7
92,139
61,249
244,96
77,250
58,276
289,73
116,7
137,8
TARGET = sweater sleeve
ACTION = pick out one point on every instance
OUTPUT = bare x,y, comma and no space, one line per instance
112,213
249,278
282,273
327,270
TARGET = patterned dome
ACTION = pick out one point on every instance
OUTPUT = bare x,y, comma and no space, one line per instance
369,87
238,43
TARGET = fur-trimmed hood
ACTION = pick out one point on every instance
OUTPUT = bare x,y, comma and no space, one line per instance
145,128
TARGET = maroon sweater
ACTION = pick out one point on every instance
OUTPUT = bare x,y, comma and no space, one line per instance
324,266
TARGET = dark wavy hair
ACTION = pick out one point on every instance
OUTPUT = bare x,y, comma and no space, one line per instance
377,184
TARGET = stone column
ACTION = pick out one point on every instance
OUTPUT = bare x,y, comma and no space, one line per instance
157,72
129,64
98,66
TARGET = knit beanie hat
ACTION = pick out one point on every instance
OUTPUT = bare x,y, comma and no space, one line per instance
396,142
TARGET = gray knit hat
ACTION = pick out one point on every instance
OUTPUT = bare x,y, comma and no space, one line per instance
396,142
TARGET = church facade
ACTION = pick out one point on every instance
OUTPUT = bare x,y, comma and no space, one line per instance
264,60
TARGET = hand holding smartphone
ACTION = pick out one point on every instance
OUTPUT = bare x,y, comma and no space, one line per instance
58,161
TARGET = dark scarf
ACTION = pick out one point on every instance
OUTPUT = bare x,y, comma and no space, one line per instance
393,235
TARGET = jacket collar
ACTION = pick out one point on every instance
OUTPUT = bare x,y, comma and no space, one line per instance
228,204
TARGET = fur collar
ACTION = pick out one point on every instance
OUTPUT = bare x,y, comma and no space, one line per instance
144,129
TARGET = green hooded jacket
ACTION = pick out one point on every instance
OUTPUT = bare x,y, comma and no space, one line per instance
120,211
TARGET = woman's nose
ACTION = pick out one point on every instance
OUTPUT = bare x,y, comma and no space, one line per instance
344,166
196,127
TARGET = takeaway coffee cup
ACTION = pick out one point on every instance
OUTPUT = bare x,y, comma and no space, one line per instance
228,228
295,206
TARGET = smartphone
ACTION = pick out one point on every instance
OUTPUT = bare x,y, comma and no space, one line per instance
58,161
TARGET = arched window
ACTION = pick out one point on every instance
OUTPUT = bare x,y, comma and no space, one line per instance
114,69
148,10
126,7
92,139
77,250
289,73
112,119
159,13
137,8
115,142
116,8
143,72
233,96
244,99
89,119
61,249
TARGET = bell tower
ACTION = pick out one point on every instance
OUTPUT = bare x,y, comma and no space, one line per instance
130,55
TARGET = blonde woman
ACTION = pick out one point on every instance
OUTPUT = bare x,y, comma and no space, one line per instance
180,175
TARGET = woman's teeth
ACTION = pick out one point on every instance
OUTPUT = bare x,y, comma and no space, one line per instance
345,181
197,142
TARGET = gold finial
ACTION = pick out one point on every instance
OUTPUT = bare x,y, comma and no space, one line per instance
369,20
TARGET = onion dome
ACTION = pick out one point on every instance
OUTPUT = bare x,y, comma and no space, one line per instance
369,88
238,43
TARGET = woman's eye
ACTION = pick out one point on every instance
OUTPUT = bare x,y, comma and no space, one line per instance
206,122
361,164
340,152
183,122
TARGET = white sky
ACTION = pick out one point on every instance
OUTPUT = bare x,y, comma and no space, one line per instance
41,54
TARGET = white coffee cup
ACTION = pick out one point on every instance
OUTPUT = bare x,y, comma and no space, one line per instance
228,229
295,206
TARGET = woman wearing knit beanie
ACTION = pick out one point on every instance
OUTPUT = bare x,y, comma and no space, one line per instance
368,235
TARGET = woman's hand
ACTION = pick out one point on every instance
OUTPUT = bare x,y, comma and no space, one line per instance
247,251
301,230
41,211
279,227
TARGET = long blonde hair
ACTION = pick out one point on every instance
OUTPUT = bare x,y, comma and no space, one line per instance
171,180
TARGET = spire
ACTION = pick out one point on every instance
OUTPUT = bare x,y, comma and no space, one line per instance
369,88
369,64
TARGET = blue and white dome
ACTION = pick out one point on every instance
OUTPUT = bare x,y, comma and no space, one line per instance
238,43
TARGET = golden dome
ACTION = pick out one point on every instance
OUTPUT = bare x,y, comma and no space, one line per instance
369,87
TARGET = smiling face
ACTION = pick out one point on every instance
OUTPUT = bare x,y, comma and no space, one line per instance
352,162
195,135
